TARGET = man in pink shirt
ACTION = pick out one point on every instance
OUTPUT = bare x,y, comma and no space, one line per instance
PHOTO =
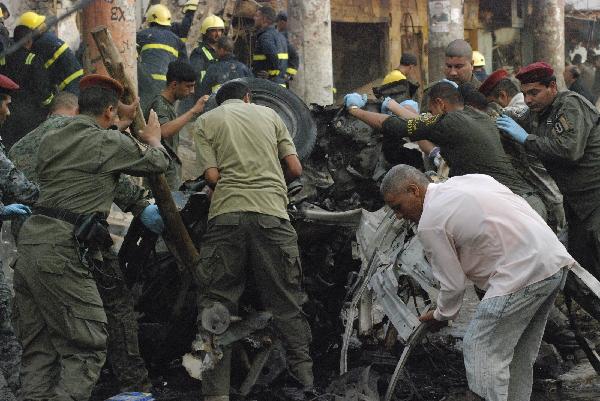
475,229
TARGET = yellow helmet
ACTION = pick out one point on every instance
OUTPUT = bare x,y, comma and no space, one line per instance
211,22
478,59
159,14
393,76
31,20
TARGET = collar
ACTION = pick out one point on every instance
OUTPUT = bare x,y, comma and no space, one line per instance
270,27
517,100
232,101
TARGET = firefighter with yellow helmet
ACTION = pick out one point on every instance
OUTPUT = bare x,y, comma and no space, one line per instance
157,47
204,54
479,66
64,70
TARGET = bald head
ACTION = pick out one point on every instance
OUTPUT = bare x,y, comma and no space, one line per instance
458,66
459,48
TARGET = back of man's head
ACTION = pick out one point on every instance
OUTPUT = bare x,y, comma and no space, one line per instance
20,32
577,59
507,85
225,44
64,103
94,100
269,13
447,92
232,90
180,71
459,48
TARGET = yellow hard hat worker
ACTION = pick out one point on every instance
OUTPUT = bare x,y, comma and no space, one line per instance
30,20
159,14
211,22
393,76
478,59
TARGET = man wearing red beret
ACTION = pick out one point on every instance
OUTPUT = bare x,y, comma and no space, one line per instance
505,96
561,128
59,316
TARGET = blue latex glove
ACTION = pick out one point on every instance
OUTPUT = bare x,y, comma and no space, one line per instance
450,82
355,99
385,106
510,126
152,220
14,210
411,103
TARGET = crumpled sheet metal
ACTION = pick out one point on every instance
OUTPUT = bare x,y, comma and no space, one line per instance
388,249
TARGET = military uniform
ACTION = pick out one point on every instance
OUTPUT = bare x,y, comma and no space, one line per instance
470,144
59,315
165,111
218,73
566,138
123,353
249,232
64,69
14,187
271,54
425,100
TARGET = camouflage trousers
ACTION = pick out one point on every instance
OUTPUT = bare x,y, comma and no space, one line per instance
10,350
240,245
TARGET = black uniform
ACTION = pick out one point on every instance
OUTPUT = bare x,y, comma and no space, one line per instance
271,54
468,141
201,58
64,70
30,101
293,57
182,29
218,73
158,47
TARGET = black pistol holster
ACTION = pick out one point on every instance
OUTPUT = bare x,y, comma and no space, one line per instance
91,231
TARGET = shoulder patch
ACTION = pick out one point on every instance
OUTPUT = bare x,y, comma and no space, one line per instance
561,125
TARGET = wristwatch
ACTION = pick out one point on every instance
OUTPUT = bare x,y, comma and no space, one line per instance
353,107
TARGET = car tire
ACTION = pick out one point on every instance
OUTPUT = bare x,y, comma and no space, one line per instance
292,110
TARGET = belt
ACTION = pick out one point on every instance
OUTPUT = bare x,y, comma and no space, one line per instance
60,214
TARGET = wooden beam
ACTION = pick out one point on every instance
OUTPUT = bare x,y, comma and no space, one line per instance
177,236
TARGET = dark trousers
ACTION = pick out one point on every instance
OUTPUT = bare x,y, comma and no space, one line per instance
238,245
584,246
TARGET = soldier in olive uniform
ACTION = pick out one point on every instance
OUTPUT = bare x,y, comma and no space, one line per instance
58,314
14,187
123,351
561,128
